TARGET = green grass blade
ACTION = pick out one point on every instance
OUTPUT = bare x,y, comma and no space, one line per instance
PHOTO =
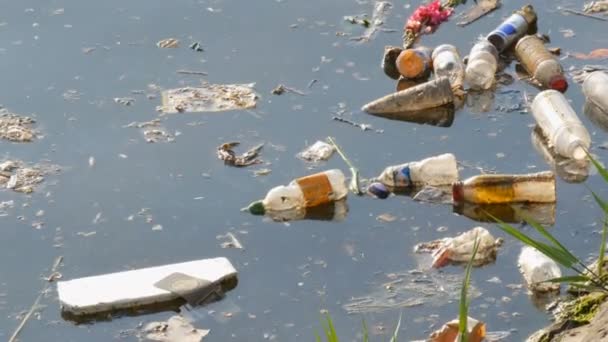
603,204
332,336
463,314
600,169
600,259
568,279
317,337
573,259
365,331
396,332
555,254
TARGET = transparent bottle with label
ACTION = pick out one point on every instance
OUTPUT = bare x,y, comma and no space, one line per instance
560,124
306,192
515,27
502,188
437,170
447,62
540,63
482,65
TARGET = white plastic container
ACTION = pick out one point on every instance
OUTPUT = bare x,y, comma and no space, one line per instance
310,191
447,62
595,88
130,290
560,124
434,171
537,268
482,65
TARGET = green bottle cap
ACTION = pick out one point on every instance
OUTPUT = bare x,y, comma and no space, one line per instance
257,208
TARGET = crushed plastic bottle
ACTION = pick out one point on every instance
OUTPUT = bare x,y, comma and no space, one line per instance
540,63
560,124
414,63
595,88
306,192
570,170
532,188
447,62
515,27
435,93
482,65
438,170
536,268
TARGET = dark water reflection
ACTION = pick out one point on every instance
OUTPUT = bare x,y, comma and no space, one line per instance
64,61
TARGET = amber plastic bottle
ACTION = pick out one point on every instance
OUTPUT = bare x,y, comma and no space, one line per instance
540,63
532,188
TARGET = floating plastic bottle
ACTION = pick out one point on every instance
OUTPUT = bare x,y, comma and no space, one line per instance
595,88
540,63
515,27
414,63
560,124
482,65
442,116
536,268
427,95
596,115
532,188
306,192
438,170
570,170
447,62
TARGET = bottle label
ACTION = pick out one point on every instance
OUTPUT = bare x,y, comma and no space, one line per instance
402,177
507,29
316,189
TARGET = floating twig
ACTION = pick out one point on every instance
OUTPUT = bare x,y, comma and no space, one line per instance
191,72
54,275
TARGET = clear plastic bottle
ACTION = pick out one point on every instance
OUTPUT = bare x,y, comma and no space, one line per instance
486,189
595,88
536,268
414,63
447,62
438,170
515,27
570,170
540,63
306,192
482,65
560,124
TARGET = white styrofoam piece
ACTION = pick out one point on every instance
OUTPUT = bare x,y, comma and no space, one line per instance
128,289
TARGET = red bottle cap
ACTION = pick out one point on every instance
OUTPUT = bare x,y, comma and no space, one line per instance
457,192
559,83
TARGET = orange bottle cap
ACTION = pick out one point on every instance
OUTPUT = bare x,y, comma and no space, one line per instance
410,64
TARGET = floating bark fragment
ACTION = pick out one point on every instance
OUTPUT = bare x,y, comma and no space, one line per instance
169,43
481,8
225,153
316,152
430,94
459,249
16,128
175,329
449,332
208,98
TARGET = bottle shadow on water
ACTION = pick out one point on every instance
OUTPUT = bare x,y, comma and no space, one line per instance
426,194
596,115
569,170
543,213
333,211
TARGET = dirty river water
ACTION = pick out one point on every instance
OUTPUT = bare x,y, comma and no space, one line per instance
122,203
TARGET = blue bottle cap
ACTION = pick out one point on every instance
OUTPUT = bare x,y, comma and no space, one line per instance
378,190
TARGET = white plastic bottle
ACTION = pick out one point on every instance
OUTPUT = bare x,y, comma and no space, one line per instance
537,268
438,170
306,192
560,124
447,62
595,88
482,65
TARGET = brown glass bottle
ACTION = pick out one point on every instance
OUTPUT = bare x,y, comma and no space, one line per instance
530,188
